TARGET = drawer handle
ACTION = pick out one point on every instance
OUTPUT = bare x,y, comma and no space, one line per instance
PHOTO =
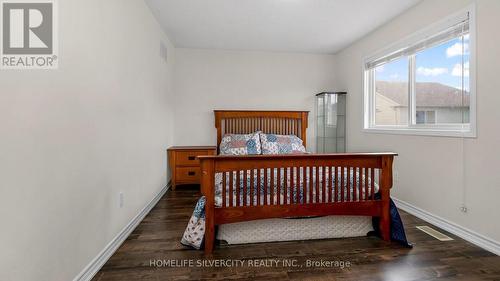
191,173
191,157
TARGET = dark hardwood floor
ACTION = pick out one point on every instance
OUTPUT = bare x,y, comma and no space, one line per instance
157,238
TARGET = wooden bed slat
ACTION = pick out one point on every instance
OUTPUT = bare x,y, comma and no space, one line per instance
279,187
266,186
372,184
287,186
295,185
316,184
238,188
325,185
231,195
224,195
271,186
334,183
304,186
341,187
349,183
259,186
310,184
245,188
356,185
365,184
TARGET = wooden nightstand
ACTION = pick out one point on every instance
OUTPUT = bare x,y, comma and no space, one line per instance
184,165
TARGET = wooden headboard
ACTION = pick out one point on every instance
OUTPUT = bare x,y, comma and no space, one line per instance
267,121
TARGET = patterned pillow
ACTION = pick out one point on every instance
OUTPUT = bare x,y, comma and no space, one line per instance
234,144
280,144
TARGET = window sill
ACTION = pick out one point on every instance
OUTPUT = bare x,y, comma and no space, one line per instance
422,132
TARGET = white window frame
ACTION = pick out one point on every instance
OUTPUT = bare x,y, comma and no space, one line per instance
445,130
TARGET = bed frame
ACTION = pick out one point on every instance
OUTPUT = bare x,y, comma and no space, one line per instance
327,199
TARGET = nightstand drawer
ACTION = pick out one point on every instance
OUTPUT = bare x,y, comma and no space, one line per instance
187,174
184,165
188,158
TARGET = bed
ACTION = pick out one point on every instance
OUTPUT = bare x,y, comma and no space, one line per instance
248,188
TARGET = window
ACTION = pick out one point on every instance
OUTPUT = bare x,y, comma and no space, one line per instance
423,85
391,93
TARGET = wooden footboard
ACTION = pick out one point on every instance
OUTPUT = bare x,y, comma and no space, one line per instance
276,186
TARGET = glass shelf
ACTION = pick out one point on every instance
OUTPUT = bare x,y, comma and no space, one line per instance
330,122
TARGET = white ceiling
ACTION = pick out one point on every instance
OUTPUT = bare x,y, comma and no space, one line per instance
311,26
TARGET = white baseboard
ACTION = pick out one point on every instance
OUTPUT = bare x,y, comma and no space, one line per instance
98,262
460,231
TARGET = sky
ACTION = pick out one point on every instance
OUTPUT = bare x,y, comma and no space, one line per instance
442,64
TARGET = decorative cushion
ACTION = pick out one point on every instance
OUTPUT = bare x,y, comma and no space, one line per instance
281,144
234,144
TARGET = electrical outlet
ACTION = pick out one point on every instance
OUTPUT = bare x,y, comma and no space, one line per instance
121,200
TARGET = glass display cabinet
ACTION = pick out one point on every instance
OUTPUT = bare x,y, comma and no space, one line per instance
330,122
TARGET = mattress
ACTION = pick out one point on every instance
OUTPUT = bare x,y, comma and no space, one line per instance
272,230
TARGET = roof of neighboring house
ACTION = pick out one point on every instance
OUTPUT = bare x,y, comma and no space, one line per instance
429,94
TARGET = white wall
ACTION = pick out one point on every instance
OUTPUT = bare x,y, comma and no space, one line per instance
431,169
72,138
205,80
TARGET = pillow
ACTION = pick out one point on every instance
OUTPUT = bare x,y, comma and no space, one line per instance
281,144
234,144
